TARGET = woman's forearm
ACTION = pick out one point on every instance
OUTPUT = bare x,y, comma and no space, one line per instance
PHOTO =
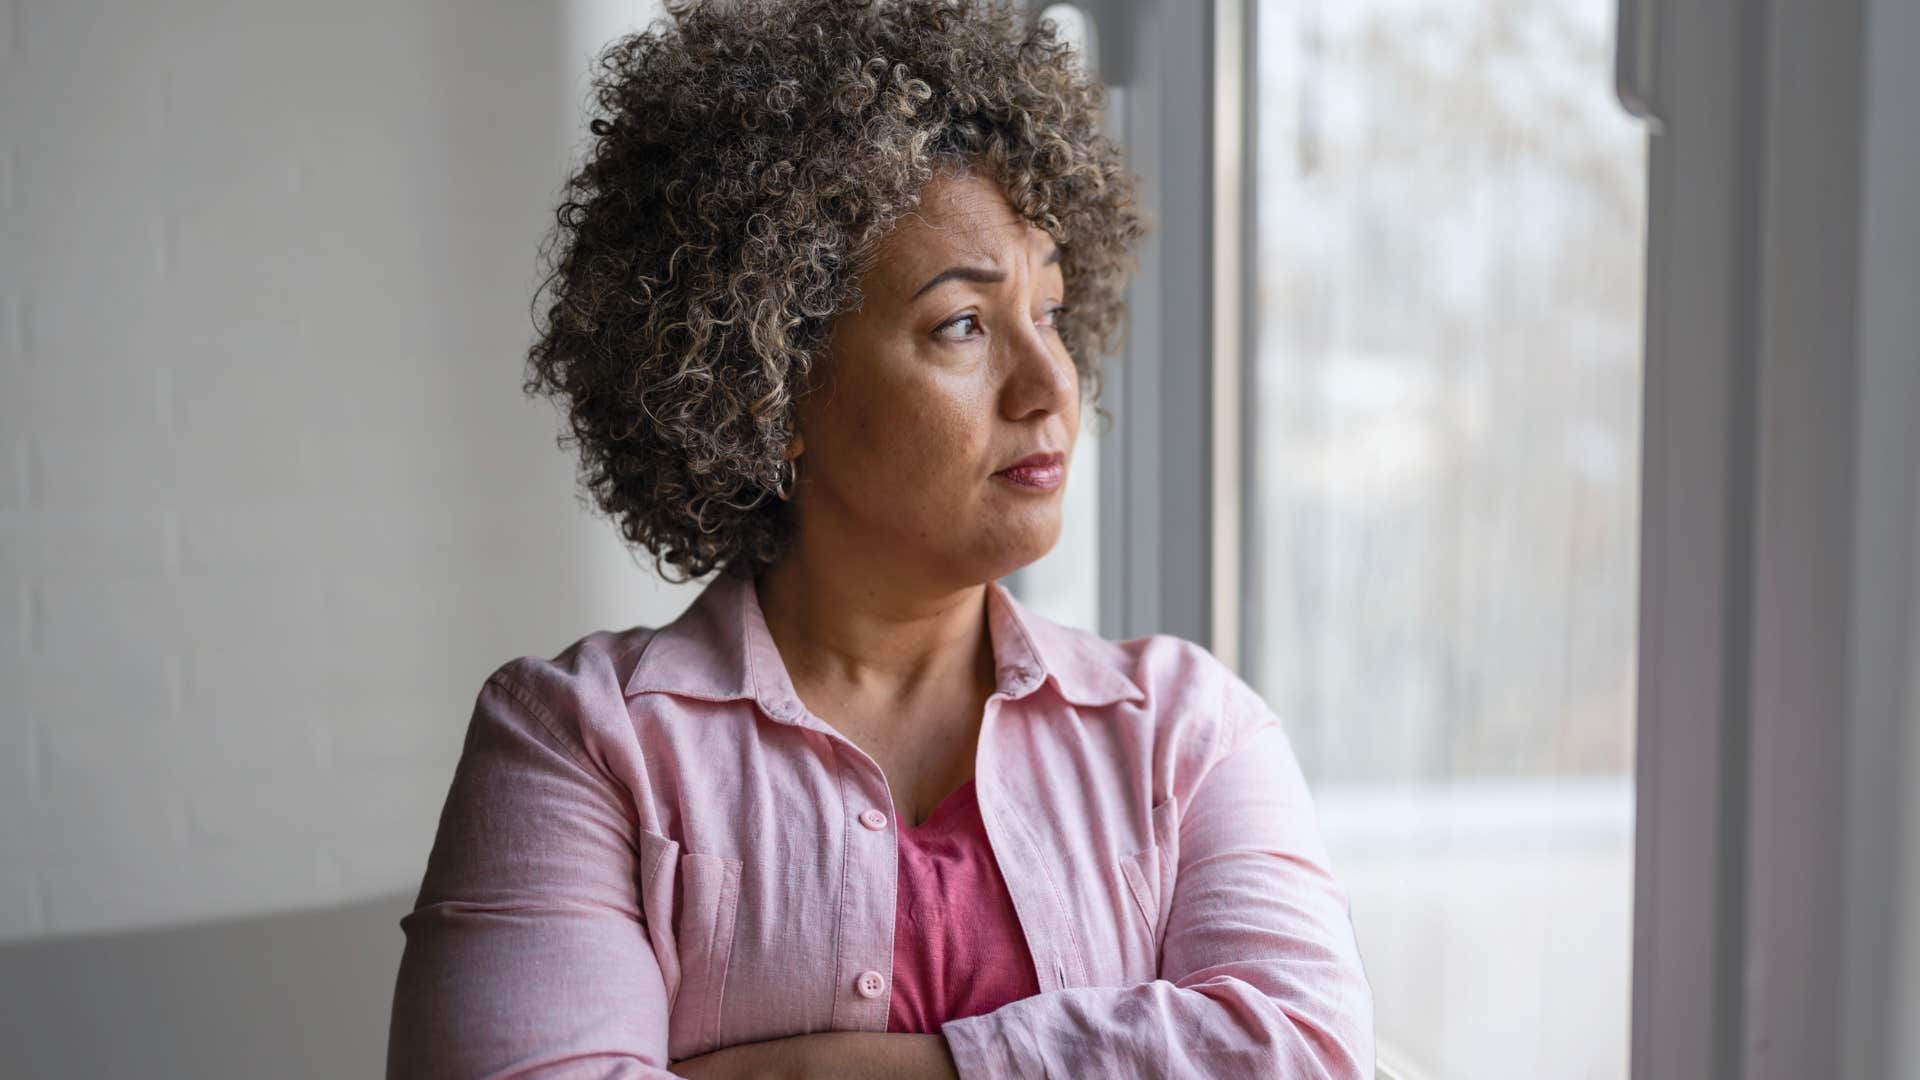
877,1055
852,1055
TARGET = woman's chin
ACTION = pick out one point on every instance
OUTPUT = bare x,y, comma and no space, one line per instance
1023,548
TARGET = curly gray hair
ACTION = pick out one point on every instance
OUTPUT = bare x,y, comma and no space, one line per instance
747,161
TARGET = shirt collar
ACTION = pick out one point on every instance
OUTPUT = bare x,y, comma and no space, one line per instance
719,649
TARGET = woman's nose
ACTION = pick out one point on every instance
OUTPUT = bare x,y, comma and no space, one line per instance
1043,375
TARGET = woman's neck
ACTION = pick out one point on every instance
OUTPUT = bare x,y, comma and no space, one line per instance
852,637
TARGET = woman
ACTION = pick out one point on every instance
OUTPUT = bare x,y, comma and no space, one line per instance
829,291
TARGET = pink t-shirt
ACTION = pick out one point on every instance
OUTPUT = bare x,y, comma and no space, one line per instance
957,947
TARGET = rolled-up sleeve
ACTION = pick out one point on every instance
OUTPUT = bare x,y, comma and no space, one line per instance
525,953
1260,971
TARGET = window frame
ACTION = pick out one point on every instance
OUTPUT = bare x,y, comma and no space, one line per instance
1157,507
1778,557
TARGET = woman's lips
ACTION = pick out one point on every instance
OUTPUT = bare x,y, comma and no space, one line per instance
1035,477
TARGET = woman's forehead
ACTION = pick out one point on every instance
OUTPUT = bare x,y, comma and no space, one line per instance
959,219
969,209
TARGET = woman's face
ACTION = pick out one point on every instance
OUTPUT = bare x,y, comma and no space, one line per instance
951,371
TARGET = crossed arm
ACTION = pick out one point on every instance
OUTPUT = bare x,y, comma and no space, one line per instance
854,1055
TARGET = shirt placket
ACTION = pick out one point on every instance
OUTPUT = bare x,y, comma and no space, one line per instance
1031,883
863,983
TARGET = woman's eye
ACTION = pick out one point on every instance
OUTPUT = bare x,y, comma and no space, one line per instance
941,330
969,324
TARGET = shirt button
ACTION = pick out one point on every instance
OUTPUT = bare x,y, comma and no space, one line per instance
870,984
873,819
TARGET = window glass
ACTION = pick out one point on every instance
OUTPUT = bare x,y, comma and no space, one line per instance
1443,424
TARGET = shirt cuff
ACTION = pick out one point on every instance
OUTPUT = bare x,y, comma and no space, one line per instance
978,1048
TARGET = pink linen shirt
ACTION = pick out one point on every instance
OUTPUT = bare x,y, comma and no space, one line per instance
651,849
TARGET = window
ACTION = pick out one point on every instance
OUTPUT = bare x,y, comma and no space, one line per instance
1379,443
1441,413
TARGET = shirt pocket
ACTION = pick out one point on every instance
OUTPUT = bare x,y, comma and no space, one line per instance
1149,873
689,900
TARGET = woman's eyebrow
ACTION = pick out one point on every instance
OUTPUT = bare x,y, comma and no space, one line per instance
975,274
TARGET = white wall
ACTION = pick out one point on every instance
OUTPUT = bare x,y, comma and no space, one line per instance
272,504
